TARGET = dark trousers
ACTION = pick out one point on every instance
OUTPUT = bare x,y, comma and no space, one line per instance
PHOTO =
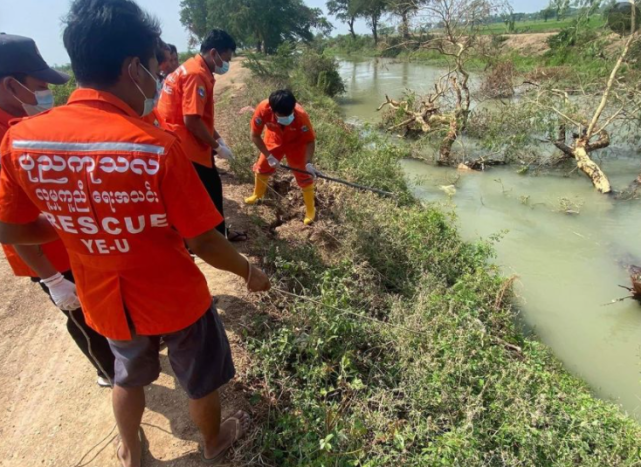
99,344
214,186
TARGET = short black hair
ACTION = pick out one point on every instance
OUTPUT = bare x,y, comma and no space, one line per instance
219,40
100,34
160,51
172,49
282,102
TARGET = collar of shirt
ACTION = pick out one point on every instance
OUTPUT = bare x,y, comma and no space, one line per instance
204,68
86,95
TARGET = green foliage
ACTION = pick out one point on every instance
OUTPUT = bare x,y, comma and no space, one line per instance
402,348
620,18
278,65
305,64
264,25
321,72
361,45
61,93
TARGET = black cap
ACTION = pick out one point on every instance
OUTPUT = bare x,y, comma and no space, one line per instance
20,55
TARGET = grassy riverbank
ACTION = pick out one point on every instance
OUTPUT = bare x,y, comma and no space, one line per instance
400,345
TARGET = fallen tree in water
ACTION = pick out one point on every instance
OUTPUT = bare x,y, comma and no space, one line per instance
618,101
446,112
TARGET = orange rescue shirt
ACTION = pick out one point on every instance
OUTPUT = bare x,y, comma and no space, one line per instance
122,195
282,140
54,251
190,91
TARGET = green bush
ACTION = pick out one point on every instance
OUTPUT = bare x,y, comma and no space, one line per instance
305,64
321,72
348,45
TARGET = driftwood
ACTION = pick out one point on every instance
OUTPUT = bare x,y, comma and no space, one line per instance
635,278
481,164
429,118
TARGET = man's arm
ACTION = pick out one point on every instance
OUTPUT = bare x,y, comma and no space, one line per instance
62,291
36,260
310,151
259,143
216,251
34,233
197,127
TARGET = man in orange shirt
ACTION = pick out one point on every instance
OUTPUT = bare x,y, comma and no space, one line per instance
123,196
288,133
163,55
187,107
24,90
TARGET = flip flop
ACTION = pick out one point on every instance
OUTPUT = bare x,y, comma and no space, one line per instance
242,421
142,455
234,236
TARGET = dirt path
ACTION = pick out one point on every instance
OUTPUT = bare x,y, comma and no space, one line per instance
52,412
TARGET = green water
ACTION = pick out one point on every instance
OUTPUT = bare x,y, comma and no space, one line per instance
570,266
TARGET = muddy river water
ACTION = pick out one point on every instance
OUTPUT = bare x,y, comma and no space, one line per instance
569,266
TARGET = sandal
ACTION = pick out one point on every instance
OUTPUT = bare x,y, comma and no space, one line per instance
242,421
234,236
119,445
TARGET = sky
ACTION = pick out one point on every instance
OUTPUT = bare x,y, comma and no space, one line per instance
41,20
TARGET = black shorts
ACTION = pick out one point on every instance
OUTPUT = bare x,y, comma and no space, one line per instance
199,355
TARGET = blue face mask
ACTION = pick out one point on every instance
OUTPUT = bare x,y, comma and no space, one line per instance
221,70
150,103
286,120
44,101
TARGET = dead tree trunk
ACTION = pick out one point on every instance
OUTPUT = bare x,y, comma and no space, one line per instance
580,151
591,168
375,29
445,151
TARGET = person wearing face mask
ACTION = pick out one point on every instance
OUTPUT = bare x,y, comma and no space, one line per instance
288,133
136,199
24,91
187,107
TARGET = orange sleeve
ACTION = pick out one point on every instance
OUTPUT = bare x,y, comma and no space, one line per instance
15,205
194,95
307,130
189,208
258,120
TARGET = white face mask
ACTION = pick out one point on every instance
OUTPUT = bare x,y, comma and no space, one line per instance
44,101
150,103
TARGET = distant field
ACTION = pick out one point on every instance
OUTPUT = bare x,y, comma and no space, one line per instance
551,25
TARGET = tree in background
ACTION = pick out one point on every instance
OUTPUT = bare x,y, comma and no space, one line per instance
193,15
346,11
547,13
560,7
372,11
265,25
405,10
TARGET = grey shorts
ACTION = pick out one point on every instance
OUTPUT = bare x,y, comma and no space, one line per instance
199,355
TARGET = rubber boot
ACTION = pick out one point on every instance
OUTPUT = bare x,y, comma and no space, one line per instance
310,208
260,188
